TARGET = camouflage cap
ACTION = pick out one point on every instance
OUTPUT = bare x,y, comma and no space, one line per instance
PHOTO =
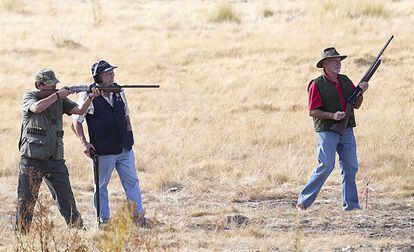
47,76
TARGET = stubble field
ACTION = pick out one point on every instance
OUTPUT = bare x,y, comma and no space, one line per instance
226,143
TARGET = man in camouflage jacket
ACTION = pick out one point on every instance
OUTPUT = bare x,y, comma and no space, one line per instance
41,149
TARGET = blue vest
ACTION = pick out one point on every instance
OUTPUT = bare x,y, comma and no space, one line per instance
107,126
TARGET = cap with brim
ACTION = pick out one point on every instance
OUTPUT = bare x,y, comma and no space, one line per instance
109,69
46,76
329,53
101,67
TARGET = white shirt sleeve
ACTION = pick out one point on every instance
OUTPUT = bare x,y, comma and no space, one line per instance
127,112
81,100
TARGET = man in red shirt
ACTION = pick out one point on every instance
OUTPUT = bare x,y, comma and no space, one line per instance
327,103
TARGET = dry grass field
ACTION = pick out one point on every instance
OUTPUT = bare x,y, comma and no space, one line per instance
228,134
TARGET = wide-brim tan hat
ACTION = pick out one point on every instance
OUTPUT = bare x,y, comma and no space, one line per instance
328,53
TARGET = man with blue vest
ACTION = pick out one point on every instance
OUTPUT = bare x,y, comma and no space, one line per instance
110,135
41,149
327,97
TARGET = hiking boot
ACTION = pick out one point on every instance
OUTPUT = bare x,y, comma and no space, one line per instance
141,221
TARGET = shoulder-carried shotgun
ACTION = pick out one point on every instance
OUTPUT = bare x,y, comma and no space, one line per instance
340,126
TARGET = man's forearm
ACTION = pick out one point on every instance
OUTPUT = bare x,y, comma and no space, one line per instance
43,104
317,113
77,128
82,110
128,123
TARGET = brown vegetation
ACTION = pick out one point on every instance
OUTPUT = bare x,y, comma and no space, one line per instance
227,135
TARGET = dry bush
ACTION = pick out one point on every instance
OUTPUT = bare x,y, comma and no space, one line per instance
356,8
52,7
225,13
124,233
97,12
66,43
230,116
267,12
14,5
75,241
118,231
46,235
297,239
41,235
375,9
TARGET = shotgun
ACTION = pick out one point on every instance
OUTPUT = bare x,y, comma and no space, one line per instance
341,126
87,88
95,159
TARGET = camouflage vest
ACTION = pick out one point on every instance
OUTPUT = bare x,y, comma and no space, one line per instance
42,133
331,102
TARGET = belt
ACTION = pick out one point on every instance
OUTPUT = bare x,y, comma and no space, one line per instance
36,131
43,132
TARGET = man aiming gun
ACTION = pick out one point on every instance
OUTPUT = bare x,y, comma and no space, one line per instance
41,150
111,138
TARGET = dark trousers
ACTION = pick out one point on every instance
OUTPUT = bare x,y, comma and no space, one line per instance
55,173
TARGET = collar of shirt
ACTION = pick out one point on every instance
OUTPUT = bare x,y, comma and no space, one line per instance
337,85
108,98
82,98
336,82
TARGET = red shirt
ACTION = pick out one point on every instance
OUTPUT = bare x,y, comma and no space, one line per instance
315,99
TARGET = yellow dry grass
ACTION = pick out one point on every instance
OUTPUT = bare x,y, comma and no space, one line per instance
229,127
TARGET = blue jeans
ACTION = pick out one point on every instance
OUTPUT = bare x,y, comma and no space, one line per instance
328,144
124,163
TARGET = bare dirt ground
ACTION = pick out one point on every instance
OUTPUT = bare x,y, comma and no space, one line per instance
182,219
265,215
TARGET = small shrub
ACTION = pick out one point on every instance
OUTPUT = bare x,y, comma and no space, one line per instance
53,12
44,226
375,10
267,13
75,242
328,5
225,13
41,236
297,239
356,8
66,43
13,5
97,12
118,231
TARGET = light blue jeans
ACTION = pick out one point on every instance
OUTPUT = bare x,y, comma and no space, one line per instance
124,163
328,144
